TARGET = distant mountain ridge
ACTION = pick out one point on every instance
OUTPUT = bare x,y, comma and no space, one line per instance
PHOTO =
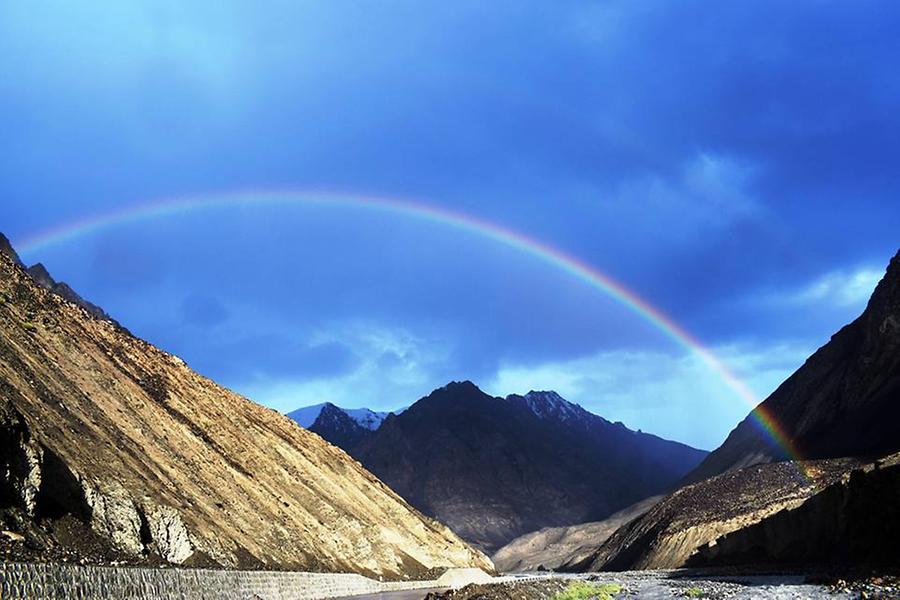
550,405
343,427
364,417
495,468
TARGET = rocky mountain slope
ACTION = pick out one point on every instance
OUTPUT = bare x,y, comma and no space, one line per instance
854,521
844,401
111,447
556,548
343,427
695,515
495,468
743,507
785,512
42,277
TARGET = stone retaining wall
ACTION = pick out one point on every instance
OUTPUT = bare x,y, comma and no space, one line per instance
68,582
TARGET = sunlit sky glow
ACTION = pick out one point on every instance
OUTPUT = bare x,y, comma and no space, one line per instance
731,163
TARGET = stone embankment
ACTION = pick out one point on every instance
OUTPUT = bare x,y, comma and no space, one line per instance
69,582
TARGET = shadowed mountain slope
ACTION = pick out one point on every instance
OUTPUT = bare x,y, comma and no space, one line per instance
110,445
495,468
853,521
844,401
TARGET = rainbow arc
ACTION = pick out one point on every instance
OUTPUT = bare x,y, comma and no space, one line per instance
429,212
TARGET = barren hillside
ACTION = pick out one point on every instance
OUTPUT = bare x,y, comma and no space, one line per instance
111,441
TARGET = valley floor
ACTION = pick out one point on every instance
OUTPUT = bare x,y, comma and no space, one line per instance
685,583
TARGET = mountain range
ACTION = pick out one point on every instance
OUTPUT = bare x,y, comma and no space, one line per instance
113,450
493,468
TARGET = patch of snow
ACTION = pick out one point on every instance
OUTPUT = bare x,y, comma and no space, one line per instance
369,419
552,405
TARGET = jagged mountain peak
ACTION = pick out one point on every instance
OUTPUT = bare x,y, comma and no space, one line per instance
7,249
365,417
41,275
464,386
494,468
549,404
343,427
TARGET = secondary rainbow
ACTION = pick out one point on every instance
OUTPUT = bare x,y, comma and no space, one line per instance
436,214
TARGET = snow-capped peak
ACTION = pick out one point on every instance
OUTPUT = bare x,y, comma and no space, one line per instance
369,419
546,404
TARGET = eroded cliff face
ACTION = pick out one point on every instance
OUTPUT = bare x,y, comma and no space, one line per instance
674,529
853,521
112,448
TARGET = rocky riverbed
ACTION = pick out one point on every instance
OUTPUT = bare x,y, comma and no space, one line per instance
659,585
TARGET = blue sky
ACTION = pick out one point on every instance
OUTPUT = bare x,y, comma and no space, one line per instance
733,163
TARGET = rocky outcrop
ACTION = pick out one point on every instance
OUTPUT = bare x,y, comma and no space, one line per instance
115,450
43,278
496,468
854,521
844,401
6,249
564,548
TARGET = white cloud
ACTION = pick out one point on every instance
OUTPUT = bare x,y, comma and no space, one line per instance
709,193
838,288
396,368
675,396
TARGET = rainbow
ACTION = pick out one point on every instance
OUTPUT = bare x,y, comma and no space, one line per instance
442,216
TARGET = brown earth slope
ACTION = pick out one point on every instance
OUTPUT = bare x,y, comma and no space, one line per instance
854,521
693,516
108,440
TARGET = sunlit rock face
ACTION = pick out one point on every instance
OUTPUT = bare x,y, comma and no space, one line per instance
115,450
